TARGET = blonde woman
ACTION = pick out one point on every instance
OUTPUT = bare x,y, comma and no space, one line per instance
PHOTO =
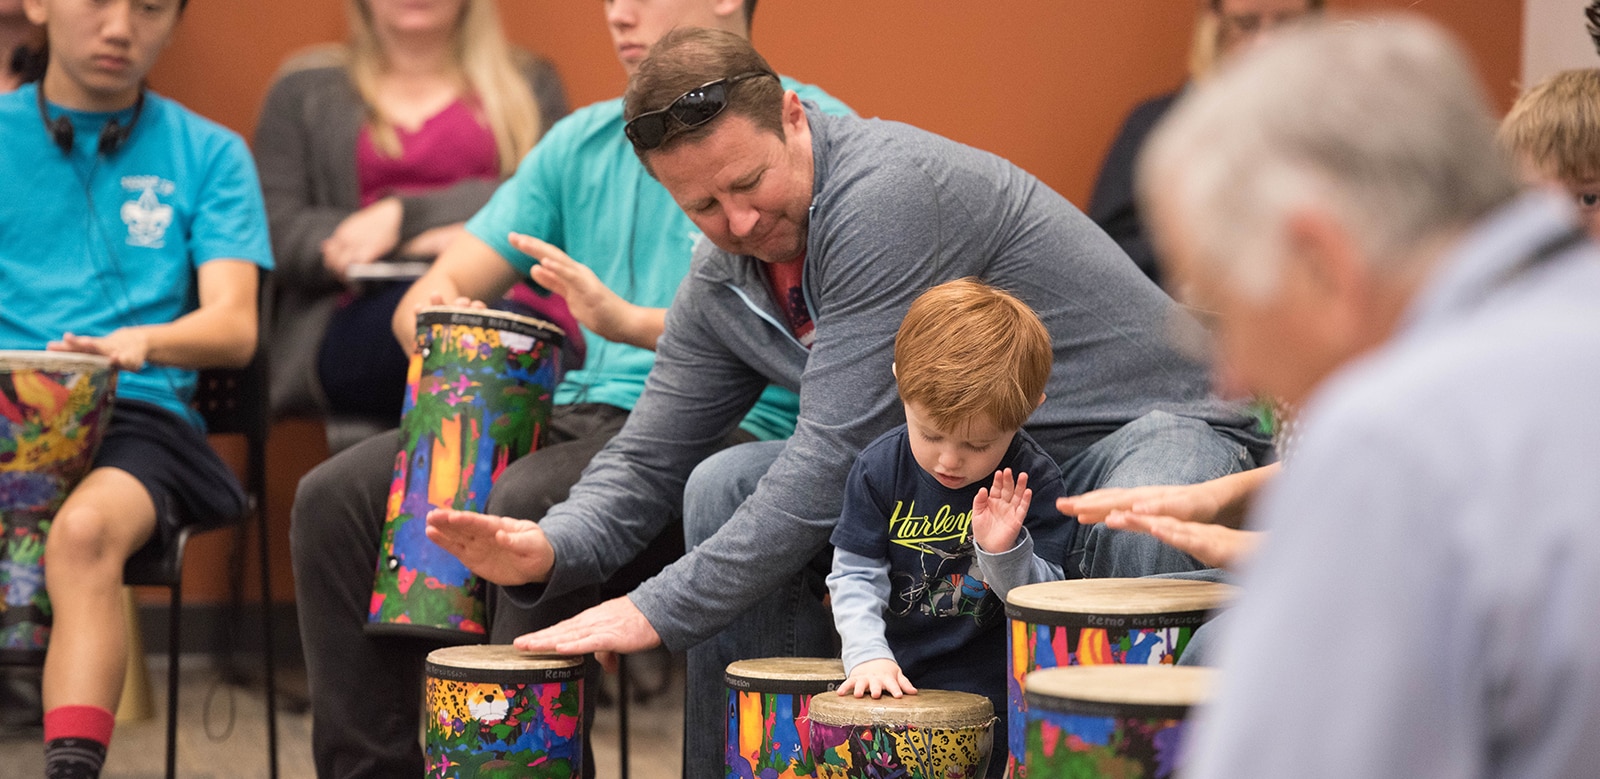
379,148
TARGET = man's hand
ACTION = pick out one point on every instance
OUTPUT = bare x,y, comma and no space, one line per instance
877,677
1189,502
614,626
590,300
998,511
502,550
127,348
1214,545
364,236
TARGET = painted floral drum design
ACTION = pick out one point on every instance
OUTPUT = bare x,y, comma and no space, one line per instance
54,409
769,701
477,398
1121,722
1098,622
935,734
495,712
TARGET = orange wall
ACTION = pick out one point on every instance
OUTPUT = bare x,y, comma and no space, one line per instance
1044,83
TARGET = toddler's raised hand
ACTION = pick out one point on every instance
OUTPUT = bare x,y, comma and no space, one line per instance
998,511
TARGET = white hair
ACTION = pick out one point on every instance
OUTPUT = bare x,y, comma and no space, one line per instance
1379,123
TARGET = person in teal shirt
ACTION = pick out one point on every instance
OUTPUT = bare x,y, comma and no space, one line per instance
133,230
584,220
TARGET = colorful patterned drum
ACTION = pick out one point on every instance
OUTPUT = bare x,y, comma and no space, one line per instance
495,712
54,408
1123,721
477,398
1098,622
768,733
935,734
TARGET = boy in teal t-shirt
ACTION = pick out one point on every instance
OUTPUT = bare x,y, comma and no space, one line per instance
136,233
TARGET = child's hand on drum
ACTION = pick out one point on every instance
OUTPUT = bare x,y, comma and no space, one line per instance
998,511
503,550
877,677
127,348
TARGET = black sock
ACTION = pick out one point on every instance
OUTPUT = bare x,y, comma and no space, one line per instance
73,758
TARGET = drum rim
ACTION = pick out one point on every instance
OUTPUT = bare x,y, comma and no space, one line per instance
1083,619
1190,686
879,712
546,668
1101,589
1056,704
490,312
741,679
23,355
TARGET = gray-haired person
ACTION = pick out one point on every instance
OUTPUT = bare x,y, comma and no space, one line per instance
1421,604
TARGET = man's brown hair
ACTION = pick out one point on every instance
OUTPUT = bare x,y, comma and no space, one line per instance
967,349
690,57
1556,125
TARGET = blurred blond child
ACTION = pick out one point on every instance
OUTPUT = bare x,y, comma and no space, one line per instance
1553,134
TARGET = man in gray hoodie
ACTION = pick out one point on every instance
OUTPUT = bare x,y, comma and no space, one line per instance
820,232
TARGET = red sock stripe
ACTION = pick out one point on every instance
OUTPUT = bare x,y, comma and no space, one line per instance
90,722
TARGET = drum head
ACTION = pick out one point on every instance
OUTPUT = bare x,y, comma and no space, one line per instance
500,663
490,318
1119,690
1069,602
928,708
786,674
61,362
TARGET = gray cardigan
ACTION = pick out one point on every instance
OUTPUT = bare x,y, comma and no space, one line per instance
305,146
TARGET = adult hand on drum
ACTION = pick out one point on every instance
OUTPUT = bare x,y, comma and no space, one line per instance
363,237
879,677
502,550
592,303
1221,501
127,348
614,626
1214,545
1188,502
998,511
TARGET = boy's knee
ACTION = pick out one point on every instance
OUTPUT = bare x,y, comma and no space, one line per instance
1164,448
78,536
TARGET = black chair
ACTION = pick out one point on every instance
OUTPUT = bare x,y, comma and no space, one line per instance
233,402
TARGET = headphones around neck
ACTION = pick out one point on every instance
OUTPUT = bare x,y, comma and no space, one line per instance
112,136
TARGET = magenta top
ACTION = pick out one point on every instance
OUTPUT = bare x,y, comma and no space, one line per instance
451,146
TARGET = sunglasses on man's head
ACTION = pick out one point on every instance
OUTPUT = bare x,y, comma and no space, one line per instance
691,109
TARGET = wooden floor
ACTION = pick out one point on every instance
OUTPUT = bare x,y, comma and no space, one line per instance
213,745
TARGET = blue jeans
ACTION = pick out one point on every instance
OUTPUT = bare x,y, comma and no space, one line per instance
1157,448
790,622
1202,649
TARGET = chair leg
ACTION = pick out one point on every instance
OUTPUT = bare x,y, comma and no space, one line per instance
173,654
622,713
266,644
